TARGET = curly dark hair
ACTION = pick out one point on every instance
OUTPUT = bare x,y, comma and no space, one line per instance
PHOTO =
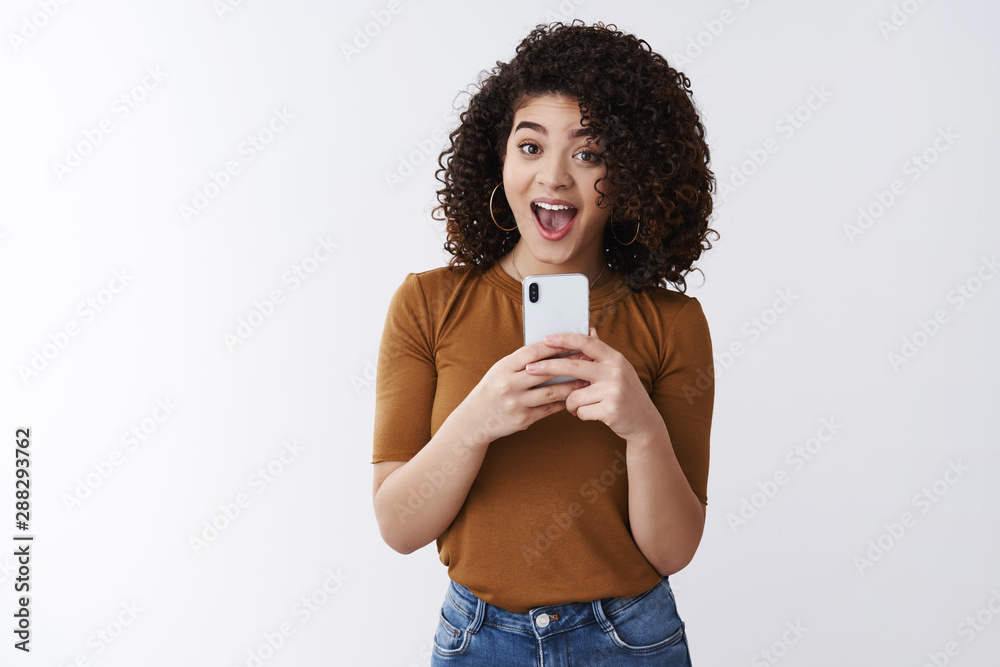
638,108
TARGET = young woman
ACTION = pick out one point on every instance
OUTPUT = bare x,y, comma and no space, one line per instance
560,511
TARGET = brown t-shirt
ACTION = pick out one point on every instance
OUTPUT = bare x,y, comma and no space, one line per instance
546,519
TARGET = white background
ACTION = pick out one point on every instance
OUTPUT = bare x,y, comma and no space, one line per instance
304,373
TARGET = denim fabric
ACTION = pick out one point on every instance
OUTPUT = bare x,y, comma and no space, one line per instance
612,632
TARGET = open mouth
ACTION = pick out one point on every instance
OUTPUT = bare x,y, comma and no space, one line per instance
553,217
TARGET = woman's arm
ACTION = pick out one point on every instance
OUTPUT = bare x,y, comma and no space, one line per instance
668,458
448,464
666,518
419,500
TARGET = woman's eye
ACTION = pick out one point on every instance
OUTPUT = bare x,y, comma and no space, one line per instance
527,145
592,156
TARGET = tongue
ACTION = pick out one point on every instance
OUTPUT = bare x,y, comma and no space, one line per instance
555,220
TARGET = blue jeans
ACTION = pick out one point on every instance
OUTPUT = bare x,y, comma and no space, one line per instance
612,632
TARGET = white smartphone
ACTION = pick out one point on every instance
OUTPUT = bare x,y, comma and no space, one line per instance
555,303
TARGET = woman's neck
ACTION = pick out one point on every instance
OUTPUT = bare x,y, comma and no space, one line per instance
517,266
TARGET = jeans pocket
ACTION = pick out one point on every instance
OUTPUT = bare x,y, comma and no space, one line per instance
452,634
647,622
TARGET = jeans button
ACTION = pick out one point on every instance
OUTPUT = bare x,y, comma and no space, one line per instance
542,620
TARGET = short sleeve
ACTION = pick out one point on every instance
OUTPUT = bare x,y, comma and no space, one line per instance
684,393
405,376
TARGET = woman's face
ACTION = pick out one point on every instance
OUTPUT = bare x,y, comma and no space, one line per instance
549,172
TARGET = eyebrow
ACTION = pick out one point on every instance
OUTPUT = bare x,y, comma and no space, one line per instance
528,125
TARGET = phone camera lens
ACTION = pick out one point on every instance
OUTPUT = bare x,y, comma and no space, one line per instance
533,292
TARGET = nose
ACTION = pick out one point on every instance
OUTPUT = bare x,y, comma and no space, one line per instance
553,172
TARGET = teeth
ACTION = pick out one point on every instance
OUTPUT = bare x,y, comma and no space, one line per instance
552,207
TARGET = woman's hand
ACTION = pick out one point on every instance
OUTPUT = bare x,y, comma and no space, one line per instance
505,398
614,394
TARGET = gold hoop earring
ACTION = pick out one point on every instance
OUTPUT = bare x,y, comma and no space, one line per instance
491,210
637,225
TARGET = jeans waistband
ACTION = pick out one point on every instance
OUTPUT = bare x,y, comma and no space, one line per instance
544,620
